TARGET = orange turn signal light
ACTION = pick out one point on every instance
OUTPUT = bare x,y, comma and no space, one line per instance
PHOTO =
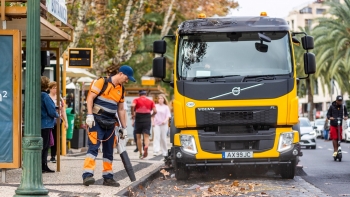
263,14
202,15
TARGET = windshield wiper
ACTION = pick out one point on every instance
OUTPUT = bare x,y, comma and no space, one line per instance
259,77
213,77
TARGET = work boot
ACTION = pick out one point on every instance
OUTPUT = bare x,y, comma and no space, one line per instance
88,181
110,182
136,150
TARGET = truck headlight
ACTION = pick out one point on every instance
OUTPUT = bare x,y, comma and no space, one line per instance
285,142
188,144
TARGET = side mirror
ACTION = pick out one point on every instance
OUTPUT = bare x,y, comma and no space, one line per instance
308,42
159,46
261,47
309,63
159,66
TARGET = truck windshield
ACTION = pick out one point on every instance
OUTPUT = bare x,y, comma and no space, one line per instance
232,54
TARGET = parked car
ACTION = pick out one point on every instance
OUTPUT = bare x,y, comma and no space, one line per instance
346,131
319,125
307,133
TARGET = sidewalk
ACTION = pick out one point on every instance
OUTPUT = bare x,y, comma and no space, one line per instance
68,182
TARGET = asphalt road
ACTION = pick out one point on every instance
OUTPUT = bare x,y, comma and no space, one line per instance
323,172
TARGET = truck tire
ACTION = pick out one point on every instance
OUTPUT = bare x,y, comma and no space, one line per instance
288,170
173,130
181,171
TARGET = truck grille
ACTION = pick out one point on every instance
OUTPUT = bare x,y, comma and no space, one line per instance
237,116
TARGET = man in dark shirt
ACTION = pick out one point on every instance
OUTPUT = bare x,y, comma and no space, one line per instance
335,111
141,109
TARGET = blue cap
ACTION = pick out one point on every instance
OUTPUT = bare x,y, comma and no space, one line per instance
142,92
127,70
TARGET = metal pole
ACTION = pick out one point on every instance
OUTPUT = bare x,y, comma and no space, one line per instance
32,143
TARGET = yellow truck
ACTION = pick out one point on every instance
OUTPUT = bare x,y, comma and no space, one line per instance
235,93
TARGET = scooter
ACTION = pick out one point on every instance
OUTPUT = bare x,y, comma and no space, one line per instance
339,154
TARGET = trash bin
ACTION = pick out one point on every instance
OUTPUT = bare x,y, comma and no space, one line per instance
70,118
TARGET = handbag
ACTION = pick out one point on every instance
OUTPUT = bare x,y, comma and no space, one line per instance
52,141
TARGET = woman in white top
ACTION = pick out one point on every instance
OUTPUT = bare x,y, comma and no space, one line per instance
62,111
160,126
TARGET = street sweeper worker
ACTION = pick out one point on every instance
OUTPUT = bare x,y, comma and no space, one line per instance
104,100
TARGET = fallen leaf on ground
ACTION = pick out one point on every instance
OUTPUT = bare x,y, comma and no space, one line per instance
210,189
235,183
242,189
141,187
176,188
164,172
251,186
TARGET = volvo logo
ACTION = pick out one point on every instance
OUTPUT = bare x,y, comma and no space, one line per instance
206,109
236,91
190,104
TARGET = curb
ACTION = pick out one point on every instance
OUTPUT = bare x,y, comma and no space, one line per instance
75,154
144,181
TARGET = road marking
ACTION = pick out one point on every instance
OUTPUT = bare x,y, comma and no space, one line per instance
320,147
330,149
345,152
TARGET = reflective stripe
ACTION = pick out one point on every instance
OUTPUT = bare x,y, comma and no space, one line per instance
96,89
89,171
107,160
108,100
91,156
107,172
106,109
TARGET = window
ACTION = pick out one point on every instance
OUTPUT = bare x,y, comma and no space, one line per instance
320,11
306,10
308,23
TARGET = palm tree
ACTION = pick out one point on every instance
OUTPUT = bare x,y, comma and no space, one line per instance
332,38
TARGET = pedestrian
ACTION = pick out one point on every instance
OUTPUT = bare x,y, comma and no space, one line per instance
62,110
161,126
326,129
48,116
335,111
104,100
141,109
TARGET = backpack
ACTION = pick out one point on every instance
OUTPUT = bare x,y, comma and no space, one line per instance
104,87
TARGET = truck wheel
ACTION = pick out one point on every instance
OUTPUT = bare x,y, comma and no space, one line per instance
288,170
181,172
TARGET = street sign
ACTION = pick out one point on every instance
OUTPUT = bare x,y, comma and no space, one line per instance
58,9
10,98
148,81
80,58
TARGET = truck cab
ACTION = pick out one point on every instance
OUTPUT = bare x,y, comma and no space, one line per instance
235,93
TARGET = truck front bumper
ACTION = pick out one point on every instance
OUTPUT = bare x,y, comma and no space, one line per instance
285,157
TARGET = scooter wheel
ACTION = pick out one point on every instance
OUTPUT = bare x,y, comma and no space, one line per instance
335,159
339,159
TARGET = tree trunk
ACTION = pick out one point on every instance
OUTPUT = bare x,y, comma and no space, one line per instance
81,23
310,99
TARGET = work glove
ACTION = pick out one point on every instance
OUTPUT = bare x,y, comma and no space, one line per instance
123,133
90,121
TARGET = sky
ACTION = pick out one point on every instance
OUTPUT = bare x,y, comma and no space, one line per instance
274,8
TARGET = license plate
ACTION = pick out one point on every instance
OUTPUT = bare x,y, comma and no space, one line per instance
229,155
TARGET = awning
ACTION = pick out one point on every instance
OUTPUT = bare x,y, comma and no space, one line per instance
48,31
78,72
85,79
